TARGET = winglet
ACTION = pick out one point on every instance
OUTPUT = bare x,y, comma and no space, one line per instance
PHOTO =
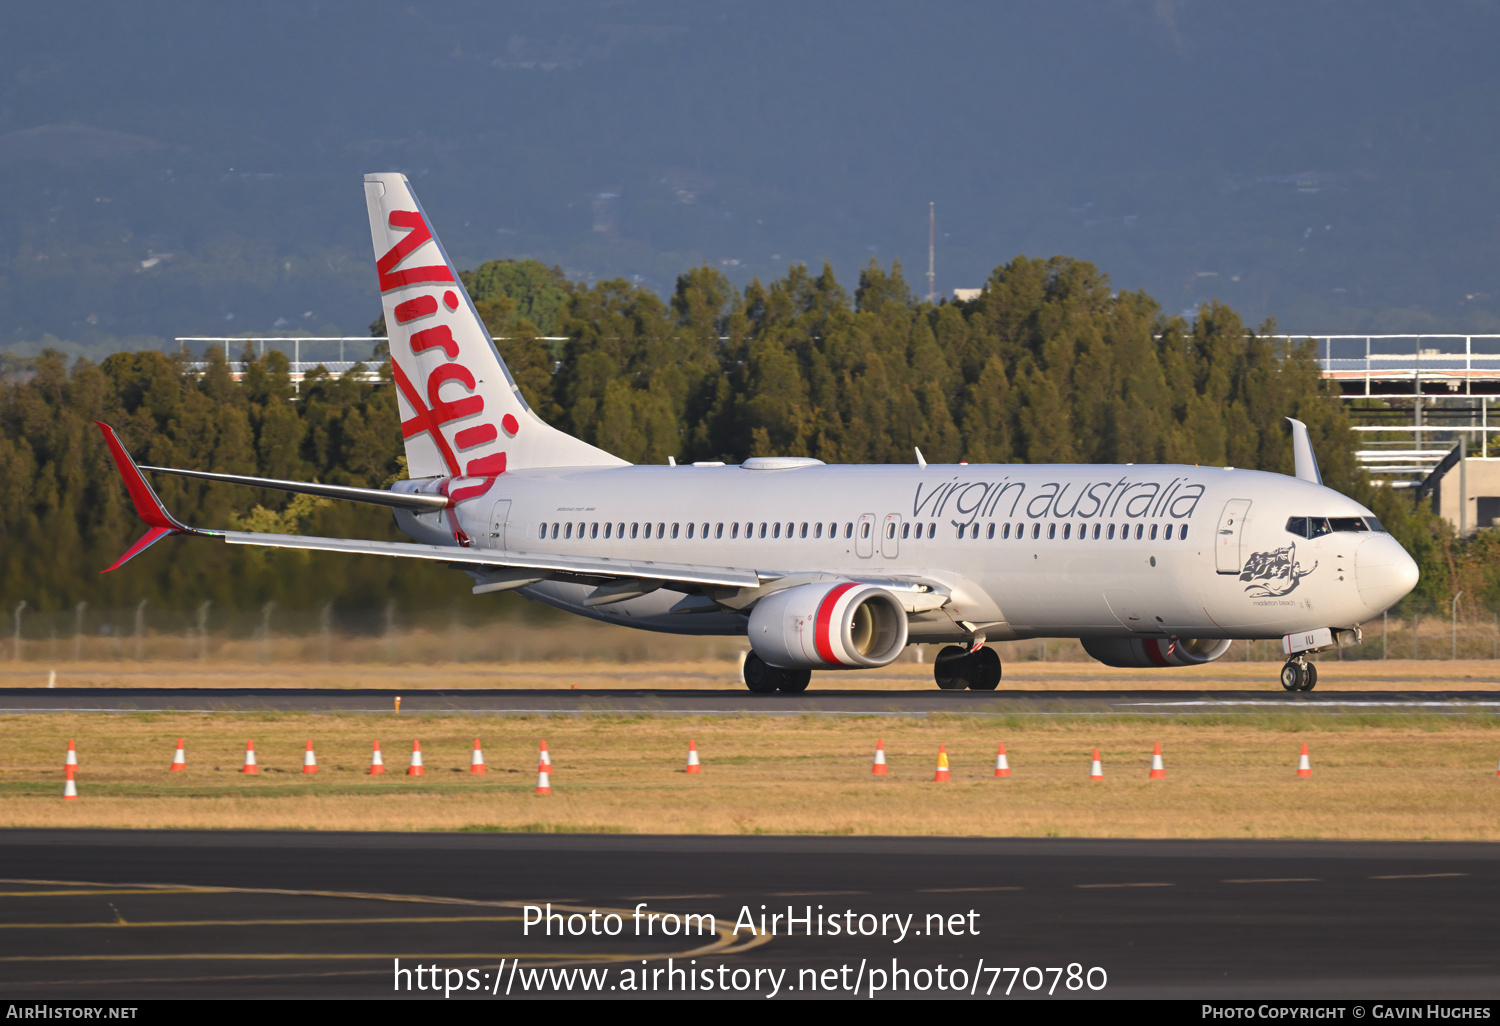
1305,463
147,505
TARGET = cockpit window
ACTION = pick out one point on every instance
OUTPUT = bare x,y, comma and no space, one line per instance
1316,527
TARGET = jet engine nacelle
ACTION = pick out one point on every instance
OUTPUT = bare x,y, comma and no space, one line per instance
1133,652
838,625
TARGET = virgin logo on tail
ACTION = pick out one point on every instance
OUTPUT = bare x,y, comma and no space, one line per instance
432,412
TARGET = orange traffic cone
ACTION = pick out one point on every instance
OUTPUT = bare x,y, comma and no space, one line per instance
1096,768
250,766
941,775
70,789
1002,764
72,759
309,760
1304,766
546,756
543,779
179,758
377,761
693,766
415,769
476,760
878,769
1158,771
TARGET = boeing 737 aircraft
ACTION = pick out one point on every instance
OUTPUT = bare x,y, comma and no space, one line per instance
831,567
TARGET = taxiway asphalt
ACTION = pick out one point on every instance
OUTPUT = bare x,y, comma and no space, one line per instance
141,914
727,701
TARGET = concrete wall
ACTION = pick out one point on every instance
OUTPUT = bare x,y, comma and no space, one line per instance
1481,481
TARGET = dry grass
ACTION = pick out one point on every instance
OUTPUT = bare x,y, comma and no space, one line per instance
1415,777
722,673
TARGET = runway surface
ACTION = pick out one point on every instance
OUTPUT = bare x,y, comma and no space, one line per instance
728,701
122,914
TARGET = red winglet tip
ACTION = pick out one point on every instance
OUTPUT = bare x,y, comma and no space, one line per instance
150,538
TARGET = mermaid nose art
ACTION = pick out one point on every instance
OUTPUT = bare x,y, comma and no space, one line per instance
1383,572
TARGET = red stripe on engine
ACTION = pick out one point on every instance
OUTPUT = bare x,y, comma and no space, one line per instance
1154,651
821,641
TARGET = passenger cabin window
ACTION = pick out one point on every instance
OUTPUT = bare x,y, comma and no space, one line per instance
905,530
705,530
661,530
734,530
607,529
762,530
864,530
1153,532
1182,534
1036,531
989,532
1096,532
818,529
567,530
633,528
593,530
1139,530
932,530
674,530
775,530
1110,534
1067,532
1168,534
849,529
690,530
1005,531
718,530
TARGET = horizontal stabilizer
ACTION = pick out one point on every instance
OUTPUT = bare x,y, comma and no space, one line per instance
418,503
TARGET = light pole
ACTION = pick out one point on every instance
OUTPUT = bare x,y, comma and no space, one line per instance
1455,624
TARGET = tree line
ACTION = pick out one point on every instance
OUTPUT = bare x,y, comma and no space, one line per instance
1049,364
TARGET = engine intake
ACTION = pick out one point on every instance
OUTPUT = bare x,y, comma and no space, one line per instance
833,626
1136,652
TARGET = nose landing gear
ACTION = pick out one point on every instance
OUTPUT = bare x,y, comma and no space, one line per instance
956,668
1299,675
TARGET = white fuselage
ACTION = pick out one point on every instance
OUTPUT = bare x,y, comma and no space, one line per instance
1024,551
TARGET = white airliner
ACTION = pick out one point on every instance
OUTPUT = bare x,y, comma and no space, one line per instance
832,567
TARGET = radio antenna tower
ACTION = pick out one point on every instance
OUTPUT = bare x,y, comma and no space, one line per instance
931,251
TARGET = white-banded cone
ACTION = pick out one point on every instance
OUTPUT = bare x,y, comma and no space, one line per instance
476,759
377,761
309,760
1096,768
1304,765
543,780
179,757
70,789
72,759
878,768
1002,764
250,765
1158,770
415,769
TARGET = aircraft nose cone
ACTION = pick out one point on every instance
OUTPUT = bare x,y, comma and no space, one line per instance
1383,572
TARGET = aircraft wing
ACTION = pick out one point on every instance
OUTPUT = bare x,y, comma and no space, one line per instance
375,496
686,573
161,523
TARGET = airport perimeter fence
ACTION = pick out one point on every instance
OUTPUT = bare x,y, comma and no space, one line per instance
141,634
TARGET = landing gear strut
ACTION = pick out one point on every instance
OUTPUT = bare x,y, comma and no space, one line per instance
763,679
956,668
1299,675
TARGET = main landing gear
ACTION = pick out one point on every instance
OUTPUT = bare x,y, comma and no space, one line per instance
956,668
764,679
1299,675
